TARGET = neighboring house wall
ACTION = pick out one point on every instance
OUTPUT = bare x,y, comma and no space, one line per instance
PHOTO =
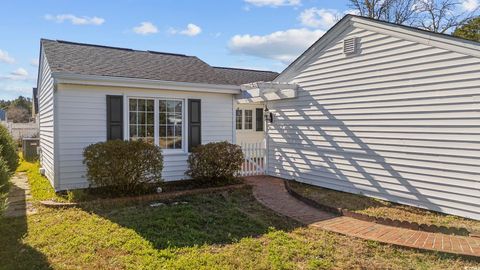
399,121
244,135
82,120
46,120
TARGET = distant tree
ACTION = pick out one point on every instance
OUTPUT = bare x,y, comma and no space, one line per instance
22,102
439,16
18,114
470,30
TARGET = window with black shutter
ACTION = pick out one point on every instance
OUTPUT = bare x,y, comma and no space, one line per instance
114,117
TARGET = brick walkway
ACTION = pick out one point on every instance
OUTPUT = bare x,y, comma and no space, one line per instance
271,192
18,197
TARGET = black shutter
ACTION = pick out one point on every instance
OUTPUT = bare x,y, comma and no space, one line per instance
194,123
114,117
259,119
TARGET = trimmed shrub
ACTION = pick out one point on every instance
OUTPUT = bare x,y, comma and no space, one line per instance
215,162
9,149
125,167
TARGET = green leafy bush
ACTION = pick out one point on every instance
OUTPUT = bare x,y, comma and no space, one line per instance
217,162
9,149
125,167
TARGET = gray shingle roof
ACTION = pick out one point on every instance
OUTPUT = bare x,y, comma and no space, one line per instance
239,76
87,59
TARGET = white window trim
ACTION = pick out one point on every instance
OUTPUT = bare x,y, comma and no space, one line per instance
156,112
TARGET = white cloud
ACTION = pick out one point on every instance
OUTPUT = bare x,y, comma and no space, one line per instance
470,5
284,46
319,18
6,58
34,62
145,28
191,30
273,3
83,20
20,74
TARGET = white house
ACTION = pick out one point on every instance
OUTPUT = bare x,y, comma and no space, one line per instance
383,110
374,108
91,93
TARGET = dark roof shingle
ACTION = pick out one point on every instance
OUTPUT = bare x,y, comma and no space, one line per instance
87,59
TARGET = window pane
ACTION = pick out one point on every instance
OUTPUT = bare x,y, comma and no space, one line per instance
141,119
178,107
171,105
150,103
133,104
150,117
248,119
141,105
239,119
162,105
170,124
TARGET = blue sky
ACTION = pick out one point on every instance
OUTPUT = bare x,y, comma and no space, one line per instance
262,34
259,34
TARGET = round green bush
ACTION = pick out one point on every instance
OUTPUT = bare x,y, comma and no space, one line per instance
125,167
216,162
9,149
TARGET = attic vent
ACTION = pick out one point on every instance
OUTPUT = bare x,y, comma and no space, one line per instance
350,46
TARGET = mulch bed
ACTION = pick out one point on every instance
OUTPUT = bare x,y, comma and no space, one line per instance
143,198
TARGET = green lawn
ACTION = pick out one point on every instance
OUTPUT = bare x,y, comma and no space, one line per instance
228,230
216,231
381,208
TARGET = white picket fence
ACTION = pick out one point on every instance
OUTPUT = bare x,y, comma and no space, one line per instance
21,130
254,159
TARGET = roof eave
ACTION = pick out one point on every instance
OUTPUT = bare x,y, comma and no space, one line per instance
81,79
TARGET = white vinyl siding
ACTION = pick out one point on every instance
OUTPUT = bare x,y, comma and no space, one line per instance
82,121
399,121
46,100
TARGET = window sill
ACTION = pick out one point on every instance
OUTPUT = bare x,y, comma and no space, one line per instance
173,152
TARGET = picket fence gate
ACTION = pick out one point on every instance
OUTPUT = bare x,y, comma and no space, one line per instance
254,162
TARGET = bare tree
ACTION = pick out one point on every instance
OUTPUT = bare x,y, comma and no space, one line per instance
18,114
441,16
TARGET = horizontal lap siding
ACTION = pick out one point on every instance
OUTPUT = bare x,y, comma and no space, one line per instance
82,121
400,121
46,120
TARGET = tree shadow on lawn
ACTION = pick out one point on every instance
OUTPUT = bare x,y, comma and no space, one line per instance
14,253
217,218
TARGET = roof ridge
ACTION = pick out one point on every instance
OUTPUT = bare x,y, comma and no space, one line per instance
246,69
113,47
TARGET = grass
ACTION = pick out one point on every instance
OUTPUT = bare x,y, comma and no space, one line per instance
40,187
216,231
380,208
228,230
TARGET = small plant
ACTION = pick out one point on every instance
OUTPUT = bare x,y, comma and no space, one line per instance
9,149
215,162
125,167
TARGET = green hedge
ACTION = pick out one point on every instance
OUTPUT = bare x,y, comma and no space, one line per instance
215,162
9,149
125,167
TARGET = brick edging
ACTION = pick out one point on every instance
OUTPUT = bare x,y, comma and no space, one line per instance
379,220
143,198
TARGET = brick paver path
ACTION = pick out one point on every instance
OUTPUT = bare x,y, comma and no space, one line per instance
18,197
271,192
